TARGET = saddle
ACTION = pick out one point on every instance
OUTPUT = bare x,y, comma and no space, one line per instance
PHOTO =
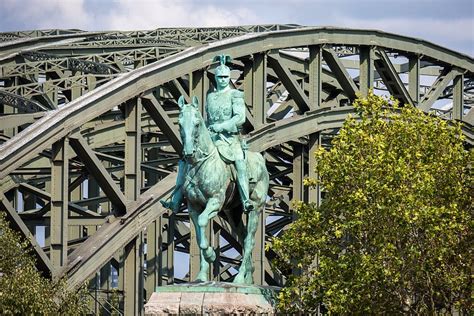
225,152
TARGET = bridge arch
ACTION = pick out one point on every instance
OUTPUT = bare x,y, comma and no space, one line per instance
298,83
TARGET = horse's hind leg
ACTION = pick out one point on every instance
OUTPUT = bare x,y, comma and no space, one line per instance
203,274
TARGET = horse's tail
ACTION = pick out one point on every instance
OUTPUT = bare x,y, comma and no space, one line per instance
258,176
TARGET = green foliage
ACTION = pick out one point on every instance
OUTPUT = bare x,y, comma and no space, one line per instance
394,233
23,291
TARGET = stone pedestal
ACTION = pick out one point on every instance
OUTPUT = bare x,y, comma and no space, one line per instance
212,298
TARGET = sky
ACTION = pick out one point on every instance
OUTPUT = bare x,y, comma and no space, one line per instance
449,23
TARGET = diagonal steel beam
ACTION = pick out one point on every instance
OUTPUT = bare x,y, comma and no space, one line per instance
391,79
446,76
43,262
98,171
315,61
162,120
341,73
286,77
176,89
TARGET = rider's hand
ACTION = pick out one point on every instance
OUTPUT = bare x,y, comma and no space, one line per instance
217,128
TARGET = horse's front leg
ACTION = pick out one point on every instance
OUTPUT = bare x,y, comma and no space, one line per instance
212,208
203,274
245,275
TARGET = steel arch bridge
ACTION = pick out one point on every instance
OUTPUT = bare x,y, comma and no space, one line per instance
89,142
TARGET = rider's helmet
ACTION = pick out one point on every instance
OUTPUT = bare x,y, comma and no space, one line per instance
222,70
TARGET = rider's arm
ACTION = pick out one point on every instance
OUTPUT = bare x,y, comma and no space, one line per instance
238,113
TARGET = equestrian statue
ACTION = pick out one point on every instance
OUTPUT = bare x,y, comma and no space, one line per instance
215,161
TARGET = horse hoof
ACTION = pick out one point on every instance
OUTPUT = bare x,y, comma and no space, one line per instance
209,254
249,278
239,279
201,277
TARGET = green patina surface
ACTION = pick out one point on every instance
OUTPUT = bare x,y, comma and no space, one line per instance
209,150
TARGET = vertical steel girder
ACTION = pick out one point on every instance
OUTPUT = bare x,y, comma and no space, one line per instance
414,78
458,97
199,87
132,271
314,193
258,79
315,77
366,69
59,204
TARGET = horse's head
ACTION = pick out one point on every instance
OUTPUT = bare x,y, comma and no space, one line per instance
189,121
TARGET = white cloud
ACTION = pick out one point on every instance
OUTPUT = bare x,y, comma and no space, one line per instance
455,32
130,15
448,33
122,14
44,14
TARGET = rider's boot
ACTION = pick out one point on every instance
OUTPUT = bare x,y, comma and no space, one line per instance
177,195
243,184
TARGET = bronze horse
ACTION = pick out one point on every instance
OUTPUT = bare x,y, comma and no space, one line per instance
207,180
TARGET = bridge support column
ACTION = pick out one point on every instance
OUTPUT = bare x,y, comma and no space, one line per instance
458,97
153,256
170,248
314,194
315,77
259,89
298,172
198,86
133,277
414,78
366,73
59,203
258,253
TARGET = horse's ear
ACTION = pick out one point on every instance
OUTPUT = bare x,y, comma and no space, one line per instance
181,102
195,102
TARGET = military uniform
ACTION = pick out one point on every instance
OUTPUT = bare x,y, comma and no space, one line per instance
228,109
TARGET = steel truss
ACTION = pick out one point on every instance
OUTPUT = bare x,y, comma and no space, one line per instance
88,126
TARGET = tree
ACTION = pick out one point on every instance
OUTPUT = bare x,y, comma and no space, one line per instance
23,291
394,232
